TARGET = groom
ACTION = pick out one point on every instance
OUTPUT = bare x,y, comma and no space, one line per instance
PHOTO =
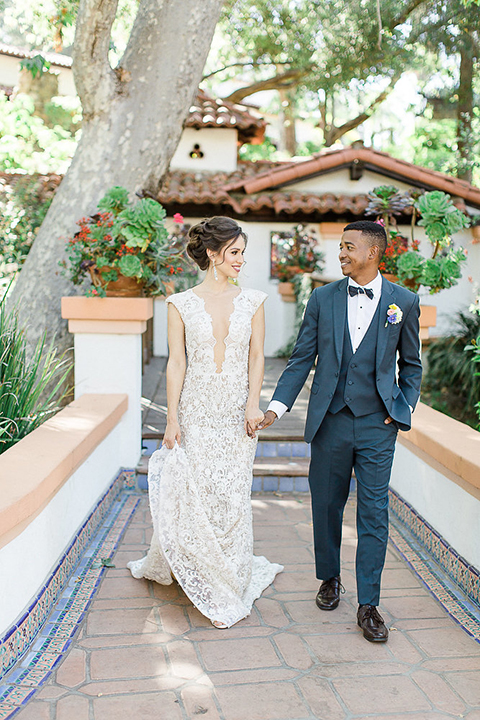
363,333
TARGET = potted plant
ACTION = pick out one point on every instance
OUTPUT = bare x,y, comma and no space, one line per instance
403,258
299,255
124,249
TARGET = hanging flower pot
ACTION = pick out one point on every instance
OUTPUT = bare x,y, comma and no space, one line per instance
287,291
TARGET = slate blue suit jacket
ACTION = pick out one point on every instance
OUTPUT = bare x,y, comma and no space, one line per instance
321,338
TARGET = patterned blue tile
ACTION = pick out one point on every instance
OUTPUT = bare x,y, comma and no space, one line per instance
142,482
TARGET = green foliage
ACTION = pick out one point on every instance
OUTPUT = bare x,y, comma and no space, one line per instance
451,383
297,253
27,143
29,387
35,65
440,217
266,151
143,224
303,287
24,202
123,239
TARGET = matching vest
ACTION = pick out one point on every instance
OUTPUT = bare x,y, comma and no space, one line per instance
356,388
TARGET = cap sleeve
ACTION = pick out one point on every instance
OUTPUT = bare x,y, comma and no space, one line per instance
256,298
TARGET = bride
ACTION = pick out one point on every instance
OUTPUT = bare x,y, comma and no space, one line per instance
200,480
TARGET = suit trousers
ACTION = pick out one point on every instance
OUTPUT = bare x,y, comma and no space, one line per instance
342,443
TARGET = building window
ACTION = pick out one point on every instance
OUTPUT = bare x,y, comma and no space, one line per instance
196,153
281,245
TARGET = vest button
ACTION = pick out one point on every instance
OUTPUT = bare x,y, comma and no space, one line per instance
336,374
347,399
350,382
353,365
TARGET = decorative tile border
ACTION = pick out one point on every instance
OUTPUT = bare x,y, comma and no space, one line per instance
21,635
63,623
448,577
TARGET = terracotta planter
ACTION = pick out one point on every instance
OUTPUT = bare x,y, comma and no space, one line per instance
475,229
286,291
394,279
428,319
123,287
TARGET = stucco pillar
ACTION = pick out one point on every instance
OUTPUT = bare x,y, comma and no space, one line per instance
108,357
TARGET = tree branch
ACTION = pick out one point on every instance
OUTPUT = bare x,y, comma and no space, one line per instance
251,63
279,81
407,11
93,75
337,132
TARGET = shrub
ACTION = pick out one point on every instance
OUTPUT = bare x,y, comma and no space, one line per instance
451,384
30,387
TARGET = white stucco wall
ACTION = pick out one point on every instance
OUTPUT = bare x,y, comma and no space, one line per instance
219,147
451,510
10,69
28,559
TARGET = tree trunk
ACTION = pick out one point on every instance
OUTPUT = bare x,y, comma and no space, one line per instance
465,110
288,139
132,122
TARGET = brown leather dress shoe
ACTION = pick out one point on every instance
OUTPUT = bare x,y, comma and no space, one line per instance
328,595
372,624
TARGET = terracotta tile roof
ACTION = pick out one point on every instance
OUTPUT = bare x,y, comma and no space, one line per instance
52,57
181,188
369,159
210,112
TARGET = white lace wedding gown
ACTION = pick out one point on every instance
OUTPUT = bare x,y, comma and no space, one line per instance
200,492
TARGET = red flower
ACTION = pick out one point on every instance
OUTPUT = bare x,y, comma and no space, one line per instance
178,218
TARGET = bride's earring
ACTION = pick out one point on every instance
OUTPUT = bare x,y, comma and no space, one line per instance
215,270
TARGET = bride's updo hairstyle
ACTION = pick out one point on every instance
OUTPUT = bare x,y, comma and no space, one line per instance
212,234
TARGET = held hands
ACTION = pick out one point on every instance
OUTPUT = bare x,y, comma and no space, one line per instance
253,418
269,419
172,434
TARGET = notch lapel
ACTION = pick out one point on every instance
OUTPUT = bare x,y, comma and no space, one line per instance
339,315
386,299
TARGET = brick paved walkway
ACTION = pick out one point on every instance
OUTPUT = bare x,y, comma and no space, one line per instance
144,653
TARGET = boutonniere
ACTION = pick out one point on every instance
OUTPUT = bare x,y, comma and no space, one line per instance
394,315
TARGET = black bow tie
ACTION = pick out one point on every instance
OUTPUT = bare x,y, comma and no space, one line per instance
355,290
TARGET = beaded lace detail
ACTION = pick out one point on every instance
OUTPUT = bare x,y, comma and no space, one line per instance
200,492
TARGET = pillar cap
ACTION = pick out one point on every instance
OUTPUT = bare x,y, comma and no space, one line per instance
116,309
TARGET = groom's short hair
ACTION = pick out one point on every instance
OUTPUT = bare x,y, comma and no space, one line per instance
374,233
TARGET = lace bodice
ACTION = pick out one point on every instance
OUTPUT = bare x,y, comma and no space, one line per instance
199,338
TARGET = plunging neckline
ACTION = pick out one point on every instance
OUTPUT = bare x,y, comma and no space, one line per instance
229,326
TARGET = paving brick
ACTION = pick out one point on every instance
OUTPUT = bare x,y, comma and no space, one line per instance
445,642
132,620
271,612
73,707
439,692
200,701
350,647
183,660
386,694
99,688
321,699
161,706
467,685
238,654
263,701
125,587
133,662
35,710
294,651
413,607
72,671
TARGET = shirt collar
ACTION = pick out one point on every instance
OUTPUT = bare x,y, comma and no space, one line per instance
375,285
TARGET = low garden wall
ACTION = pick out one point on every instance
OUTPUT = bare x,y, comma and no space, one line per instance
436,492
50,483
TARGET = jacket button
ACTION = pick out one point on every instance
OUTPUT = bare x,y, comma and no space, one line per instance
378,379
347,399
336,374
353,365
350,382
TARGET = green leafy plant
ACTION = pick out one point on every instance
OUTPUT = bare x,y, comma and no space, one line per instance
123,240
440,218
451,383
297,253
30,386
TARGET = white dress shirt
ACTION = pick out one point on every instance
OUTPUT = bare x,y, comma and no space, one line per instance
360,312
